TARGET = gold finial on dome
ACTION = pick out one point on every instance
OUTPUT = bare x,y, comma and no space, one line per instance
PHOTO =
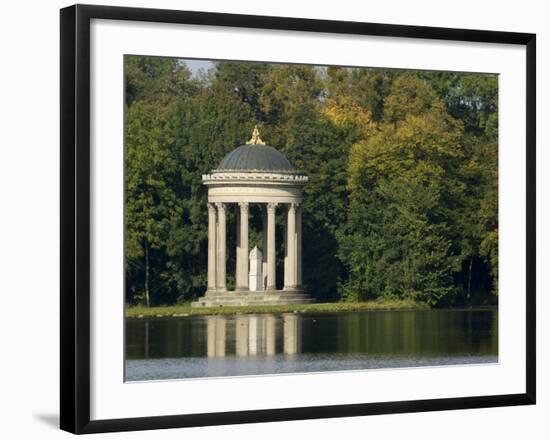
255,139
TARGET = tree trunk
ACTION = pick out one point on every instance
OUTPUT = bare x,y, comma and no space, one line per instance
147,302
470,277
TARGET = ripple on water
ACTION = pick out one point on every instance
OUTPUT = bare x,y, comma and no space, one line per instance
200,367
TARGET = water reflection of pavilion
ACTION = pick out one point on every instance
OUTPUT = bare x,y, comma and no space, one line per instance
253,335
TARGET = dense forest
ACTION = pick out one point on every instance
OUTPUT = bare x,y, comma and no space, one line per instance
403,176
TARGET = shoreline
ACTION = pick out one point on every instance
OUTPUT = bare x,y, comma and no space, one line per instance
136,312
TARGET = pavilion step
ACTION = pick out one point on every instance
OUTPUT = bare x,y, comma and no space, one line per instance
244,299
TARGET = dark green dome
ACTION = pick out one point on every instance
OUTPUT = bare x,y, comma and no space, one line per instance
263,158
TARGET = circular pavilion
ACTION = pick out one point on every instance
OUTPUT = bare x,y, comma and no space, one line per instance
254,174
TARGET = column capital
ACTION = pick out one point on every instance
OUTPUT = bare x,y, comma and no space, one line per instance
294,205
243,205
272,206
220,206
211,206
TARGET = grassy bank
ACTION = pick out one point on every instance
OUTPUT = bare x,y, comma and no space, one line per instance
187,310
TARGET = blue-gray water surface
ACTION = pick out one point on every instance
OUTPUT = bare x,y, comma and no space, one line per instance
213,346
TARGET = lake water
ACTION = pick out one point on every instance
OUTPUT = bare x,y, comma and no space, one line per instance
211,346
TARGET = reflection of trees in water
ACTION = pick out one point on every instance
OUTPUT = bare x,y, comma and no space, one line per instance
433,332
254,335
418,333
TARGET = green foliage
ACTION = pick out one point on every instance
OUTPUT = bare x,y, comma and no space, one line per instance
407,200
402,198
185,309
156,79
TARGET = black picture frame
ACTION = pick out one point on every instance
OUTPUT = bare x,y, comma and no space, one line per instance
75,217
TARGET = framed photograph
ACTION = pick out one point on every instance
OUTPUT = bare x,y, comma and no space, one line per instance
273,218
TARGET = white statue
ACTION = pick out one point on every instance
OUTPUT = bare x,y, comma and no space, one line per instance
255,277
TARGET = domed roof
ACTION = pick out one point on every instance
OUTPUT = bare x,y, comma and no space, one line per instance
255,156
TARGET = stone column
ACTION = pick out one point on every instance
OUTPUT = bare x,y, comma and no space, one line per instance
290,261
264,247
221,259
241,276
211,247
286,272
299,247
271,281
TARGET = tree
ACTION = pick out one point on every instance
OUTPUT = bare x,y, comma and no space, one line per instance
156,79
473,98
366,87
400,239
149,198
402,198
296,123
245,80
207,127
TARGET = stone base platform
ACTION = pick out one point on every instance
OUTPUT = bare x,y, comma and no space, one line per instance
244,298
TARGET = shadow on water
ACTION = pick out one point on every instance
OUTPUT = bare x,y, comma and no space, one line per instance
331,341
